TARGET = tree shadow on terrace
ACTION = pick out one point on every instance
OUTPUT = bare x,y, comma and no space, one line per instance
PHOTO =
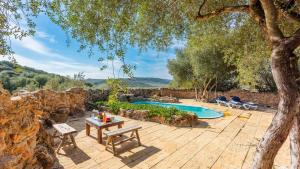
75,154
137,154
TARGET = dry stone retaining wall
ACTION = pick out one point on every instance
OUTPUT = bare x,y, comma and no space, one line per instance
24,141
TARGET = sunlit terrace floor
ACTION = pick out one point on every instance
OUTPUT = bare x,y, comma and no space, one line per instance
222,143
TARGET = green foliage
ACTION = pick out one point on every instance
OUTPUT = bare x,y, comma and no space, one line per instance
201,67
154,110
41,80
15,22
16,77
114,107
115,87
226,53
53,83
250,56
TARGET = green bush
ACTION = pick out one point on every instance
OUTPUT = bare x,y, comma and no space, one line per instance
114,107
154,110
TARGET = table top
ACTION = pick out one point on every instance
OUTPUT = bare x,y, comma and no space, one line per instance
95,121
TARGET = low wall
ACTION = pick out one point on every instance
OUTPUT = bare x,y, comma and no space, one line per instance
268,99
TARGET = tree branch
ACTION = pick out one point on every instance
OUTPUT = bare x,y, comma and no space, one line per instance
201,6
294,41
270,11
286,9
228,9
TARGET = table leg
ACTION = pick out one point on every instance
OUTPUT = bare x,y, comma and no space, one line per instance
87,129
62,143
99,130
120,125
73,140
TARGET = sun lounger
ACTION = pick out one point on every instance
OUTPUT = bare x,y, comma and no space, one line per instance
234,104
250,105
237,103
222,100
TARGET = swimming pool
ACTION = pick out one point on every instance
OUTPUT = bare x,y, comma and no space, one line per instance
201,112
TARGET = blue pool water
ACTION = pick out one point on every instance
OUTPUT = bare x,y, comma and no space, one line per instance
201,112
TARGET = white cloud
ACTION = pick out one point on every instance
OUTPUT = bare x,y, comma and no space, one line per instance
46,36
38,47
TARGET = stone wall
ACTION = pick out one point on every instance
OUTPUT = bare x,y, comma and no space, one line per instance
268,99
19,128
24,141
59,105
263,98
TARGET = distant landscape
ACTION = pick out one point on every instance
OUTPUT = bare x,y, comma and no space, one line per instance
137,82
16,77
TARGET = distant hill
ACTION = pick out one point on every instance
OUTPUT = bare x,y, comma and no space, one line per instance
137,82
17,77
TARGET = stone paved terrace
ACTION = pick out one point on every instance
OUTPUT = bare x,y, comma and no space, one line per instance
223,143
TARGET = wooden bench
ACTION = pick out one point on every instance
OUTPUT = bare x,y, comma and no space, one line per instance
62,131
111,136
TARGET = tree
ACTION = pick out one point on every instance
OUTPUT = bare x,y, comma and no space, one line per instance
200,69
114,25
13,12
53,83
115,86
41,80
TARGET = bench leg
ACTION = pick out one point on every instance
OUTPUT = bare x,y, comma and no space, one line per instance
73,140
61,143
138,137
113,145
132,133
87,129
107,142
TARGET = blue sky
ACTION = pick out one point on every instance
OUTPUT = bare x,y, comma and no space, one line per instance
47,50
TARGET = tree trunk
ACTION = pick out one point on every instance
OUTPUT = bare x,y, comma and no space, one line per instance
196,93
295,142
284,73
205,86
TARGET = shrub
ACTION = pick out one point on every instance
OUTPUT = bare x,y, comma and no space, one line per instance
154,110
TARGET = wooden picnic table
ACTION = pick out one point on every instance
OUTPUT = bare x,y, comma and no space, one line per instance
99,125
